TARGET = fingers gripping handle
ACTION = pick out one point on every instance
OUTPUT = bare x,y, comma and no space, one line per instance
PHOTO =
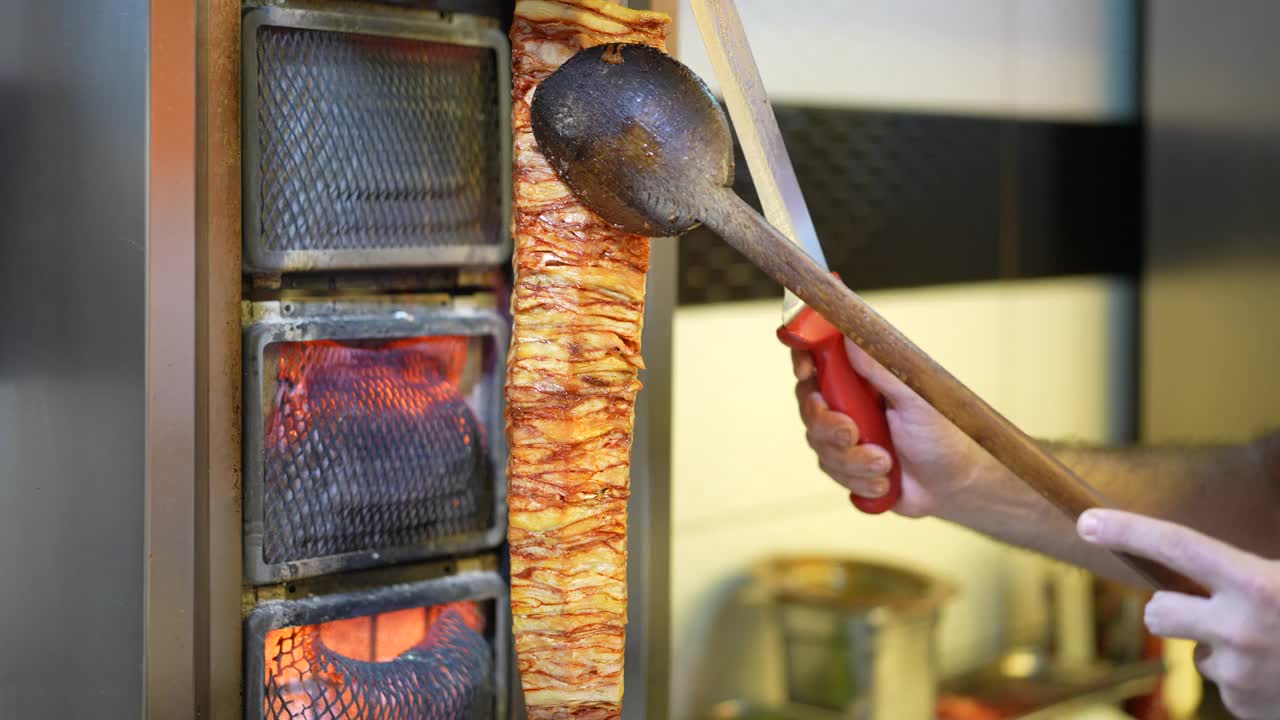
788,265
847,392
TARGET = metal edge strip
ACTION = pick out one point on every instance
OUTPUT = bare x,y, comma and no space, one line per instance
257,259
168,664
429,320
251,185
219,565
470,585
649,571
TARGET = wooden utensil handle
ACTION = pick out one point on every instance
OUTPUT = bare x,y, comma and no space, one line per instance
743,228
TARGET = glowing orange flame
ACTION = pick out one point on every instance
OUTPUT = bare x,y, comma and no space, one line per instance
382,637
419,362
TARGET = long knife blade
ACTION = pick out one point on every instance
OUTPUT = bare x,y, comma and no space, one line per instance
757,131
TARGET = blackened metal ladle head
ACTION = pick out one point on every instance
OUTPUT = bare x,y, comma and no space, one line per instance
637,136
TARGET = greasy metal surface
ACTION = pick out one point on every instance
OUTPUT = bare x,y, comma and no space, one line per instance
363,580
218,525
648,665
349,321
73,239
467,585
493,8
373,140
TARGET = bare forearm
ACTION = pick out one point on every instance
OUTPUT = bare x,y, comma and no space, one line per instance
1230,492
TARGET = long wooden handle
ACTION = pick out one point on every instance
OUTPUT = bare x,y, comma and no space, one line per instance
743,228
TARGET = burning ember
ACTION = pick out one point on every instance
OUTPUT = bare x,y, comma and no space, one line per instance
371,445
428,663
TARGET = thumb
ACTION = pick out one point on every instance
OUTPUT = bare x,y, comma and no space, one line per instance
893,389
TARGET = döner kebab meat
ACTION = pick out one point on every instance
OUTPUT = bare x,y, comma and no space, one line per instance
578,307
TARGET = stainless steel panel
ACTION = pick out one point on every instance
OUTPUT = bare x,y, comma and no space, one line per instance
296,321
169,584
1211,348
73,263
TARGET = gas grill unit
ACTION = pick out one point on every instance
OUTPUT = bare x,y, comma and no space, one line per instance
265,320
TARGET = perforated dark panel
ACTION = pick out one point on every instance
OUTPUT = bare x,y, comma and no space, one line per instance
903,199
371,143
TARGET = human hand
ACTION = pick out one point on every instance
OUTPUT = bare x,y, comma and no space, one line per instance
1237,629
938,461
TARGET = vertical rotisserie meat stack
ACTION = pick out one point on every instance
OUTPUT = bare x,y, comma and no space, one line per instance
578,307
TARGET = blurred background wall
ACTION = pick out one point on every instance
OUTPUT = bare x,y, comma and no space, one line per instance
974,170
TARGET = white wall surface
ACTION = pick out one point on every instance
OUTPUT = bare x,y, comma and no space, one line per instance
1051,355
1071,59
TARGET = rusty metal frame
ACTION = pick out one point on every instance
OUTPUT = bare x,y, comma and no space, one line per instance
217,646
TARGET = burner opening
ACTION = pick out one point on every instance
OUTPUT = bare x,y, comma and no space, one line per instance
430,663
372,444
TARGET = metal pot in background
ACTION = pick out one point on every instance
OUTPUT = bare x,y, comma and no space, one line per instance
859,639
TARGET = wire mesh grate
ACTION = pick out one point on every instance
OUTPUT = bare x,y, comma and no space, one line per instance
374,143
443,672
371,445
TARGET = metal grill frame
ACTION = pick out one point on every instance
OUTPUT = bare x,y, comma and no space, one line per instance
413,25
301,322
467,585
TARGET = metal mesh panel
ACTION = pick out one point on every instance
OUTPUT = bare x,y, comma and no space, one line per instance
369,143
371,446
446,675
896,198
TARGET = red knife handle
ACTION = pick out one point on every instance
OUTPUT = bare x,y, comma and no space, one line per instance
846,392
